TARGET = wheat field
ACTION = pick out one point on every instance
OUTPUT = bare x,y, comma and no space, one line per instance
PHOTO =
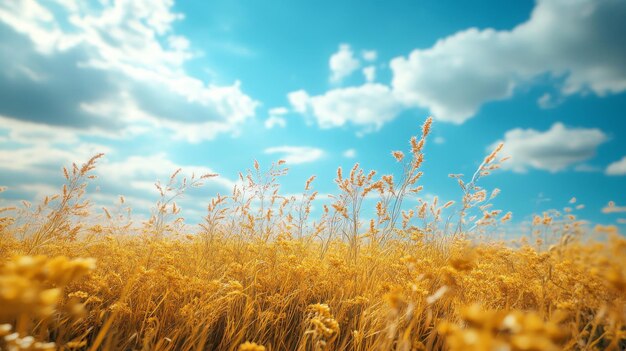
261,273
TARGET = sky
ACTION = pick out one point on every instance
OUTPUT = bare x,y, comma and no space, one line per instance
211,86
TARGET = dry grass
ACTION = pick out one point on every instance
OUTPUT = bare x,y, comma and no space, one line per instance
260,274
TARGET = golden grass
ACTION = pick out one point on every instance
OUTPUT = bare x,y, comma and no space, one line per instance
260,274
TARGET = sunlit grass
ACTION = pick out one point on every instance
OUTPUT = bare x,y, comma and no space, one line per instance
262,274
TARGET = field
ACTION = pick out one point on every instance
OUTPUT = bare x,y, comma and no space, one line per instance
262,274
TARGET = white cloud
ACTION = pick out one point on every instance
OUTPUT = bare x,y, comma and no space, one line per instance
370,73
296,154
299,100
111,70
553,150
25,132
439,140
350,153
548,100
579,42
41,157
178,43
32,156
33,147
141,172
275,121
85,61
370,105
369,55
37,190
576,43
276,118
342,63
617,168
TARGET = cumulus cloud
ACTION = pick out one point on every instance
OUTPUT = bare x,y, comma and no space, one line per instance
75,77
578,42
296,154
43,159
275,121
370,73
553,150
617,168
75,65
26,132
342,63
299,100
276,118
370,105
30,147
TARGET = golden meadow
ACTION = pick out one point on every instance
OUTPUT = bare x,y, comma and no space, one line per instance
261,274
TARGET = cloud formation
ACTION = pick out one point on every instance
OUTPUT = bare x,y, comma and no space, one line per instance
369,73
276,118
578,44
342,63
553,150
296,154
617,168
369,106
299,100
109,68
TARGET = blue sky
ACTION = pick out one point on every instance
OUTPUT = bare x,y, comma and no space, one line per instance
214,85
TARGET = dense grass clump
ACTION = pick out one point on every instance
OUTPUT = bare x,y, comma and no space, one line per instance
261,274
